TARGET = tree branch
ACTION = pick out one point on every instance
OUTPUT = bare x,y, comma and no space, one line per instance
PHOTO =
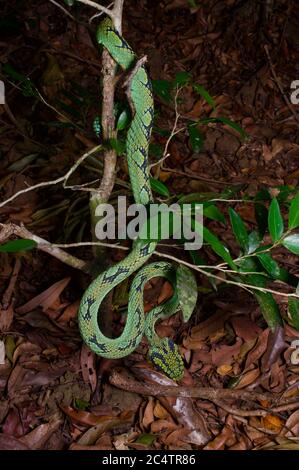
12,229
95,5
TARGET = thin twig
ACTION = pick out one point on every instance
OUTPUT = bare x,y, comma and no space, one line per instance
12,229
61,179
63,9
105,10
248,287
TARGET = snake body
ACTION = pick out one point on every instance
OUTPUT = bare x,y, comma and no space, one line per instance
163,353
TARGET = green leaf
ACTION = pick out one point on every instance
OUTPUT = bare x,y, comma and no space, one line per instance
80,404
196,138
123,120
18,245
146,439
291,242
212,212
269,264
294,213
69,3
228,122
181,78
254,241
159,187
205,94
269,309
163,89
118,146
275,221
186,290
239,230
217,246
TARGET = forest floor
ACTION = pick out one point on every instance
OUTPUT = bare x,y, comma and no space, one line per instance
241,376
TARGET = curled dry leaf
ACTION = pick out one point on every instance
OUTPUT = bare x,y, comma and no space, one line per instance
148,415
291,427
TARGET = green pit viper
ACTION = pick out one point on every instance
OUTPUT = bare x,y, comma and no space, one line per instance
163,353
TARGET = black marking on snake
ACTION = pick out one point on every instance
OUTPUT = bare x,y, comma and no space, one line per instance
142,279
90,302
145,250
155,355
144,164
147,84
112,277
124,44
102,347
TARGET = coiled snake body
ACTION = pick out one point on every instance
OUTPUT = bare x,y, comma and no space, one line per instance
163,353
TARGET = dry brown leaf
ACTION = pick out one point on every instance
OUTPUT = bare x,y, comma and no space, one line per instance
225,369
37,438
148,415
46,298
87,361
272,423
226,354
291,427
248,378
70,312
160,412
6,317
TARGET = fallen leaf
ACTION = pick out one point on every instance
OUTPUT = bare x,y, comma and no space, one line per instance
273,423
46,298
87,360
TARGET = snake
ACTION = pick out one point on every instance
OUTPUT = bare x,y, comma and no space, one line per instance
163,353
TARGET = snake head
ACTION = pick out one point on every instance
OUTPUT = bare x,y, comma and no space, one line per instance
166,358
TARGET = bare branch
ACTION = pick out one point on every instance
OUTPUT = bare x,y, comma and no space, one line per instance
12,229
98,7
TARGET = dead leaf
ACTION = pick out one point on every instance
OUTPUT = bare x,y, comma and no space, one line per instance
87,360
11,443
148,415
37,438
46,298
273,423
226,354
